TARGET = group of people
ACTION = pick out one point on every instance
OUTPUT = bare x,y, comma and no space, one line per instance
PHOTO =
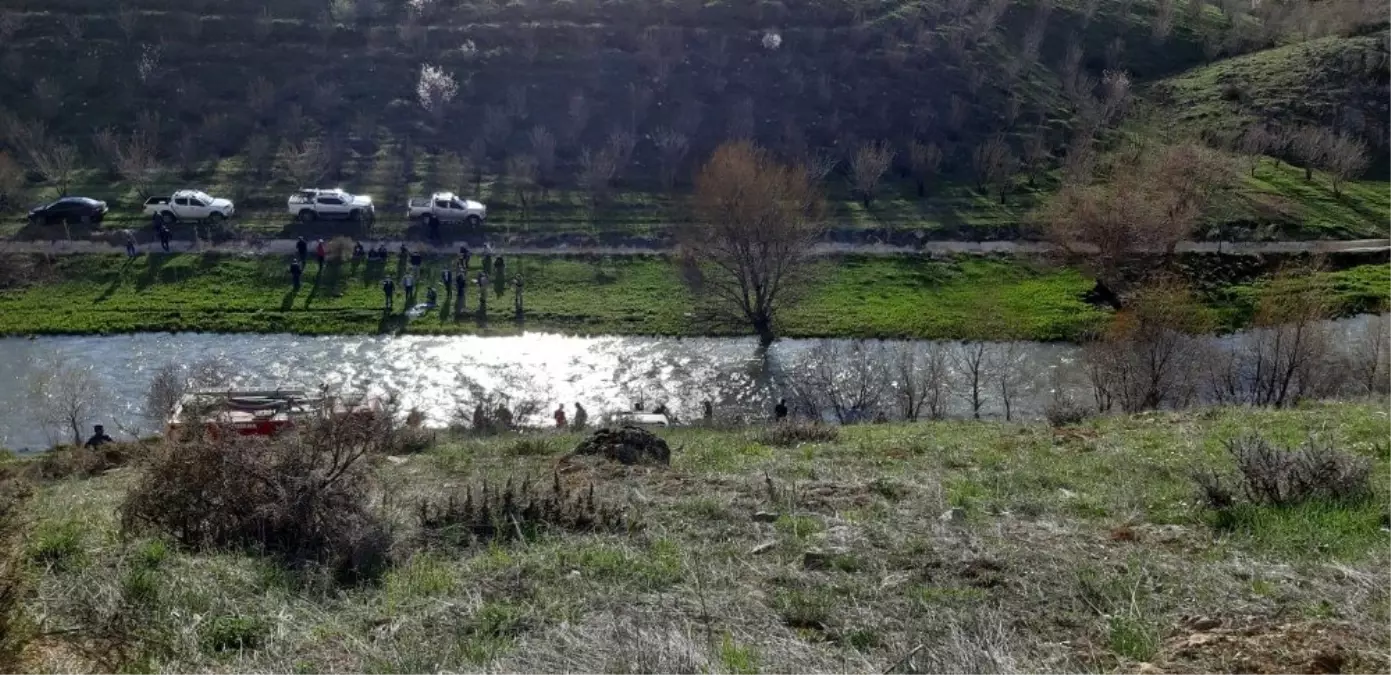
161,231
453,278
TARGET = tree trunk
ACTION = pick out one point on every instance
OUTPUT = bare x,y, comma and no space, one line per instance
763,325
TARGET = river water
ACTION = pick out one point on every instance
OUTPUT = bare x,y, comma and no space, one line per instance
434,374
604,374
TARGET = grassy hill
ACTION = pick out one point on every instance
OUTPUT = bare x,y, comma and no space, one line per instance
972,547
229,88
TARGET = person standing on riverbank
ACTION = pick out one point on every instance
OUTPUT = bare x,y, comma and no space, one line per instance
302,250
416,260
320,254
130,244
99,438
408,285
460,290
560,416
482,295
780,410
581,416
295,271
163,231
517,298
447,278
389,290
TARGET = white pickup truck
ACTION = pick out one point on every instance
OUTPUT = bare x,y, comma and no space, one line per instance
194,205
311,205
447,207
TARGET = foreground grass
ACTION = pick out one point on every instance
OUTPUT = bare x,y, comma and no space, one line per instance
865,297
1076,550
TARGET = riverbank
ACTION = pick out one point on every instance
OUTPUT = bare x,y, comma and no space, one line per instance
967,545
849,296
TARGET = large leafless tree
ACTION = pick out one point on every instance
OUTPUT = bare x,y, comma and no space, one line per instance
756,221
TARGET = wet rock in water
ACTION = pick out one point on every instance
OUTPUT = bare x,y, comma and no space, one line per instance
628,445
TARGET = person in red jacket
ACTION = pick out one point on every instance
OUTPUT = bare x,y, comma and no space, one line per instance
560,416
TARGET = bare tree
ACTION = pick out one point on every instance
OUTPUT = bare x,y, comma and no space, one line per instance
64,396
136,163
1370,356
973,360
596,173
620,145
304,164
171,381
1037,153
1115,92
1011,373
1311,146
755,223
11,183
921,377
579,112
260,155
522,171
435,89
671,148
1163,22
868,166
543,149
1253,145
56,162
1346,159
995,164
1139,217
1147,357
848,379
924,159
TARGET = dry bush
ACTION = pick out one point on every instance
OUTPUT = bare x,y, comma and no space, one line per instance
994,164
1346,159
302,498
790,434
77,462
516,512
1065,411
867,168
1275,476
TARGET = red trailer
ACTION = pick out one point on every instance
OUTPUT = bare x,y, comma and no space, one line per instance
260,413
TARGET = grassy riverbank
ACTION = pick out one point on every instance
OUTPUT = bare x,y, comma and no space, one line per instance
969,297
1078,549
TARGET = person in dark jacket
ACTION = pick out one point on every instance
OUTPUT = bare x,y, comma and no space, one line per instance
415,261
98,438
389,290
447,279
163,231
460,288
295,271
780,410
302,250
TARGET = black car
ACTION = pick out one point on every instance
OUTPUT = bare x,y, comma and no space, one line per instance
69,210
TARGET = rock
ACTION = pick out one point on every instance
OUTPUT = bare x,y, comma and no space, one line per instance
820,560
628,445
1206,623
764,517
397,460
763,548
1148,669
953,515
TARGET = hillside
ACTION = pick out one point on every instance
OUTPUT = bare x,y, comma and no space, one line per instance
932,547
597,112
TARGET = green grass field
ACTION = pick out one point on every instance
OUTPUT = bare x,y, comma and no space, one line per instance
1079,550
964,298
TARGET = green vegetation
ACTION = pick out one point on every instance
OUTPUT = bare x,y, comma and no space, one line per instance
252,101
620,295
1089,535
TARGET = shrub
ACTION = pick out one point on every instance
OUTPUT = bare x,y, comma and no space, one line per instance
58,547
70,462
804,609
302,497
1284,477
412,440
1065,411
788,434
530,447
224,633
488,515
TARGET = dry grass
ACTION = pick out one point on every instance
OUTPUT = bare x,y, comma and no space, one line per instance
1073,551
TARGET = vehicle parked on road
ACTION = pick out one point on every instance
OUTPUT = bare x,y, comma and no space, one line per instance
446,207
311,205
69,210
194,205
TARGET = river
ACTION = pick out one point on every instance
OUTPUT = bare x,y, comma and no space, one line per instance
604,374
433,374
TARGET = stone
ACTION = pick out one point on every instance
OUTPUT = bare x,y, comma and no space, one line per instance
397,460
627,445
1148,669
1206,623
765,517
763,548
953,515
